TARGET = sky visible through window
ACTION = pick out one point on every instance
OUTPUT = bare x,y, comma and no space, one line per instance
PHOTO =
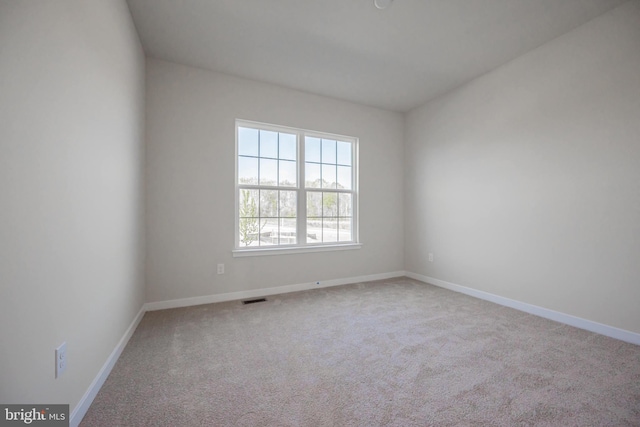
266,157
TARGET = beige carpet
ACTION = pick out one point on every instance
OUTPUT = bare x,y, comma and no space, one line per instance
386,353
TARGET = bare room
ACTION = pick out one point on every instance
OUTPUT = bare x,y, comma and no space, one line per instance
320,212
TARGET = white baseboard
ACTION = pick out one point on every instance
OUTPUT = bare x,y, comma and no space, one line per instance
599,328
84,404
257,293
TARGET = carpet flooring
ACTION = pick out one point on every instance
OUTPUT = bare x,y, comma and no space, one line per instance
387,353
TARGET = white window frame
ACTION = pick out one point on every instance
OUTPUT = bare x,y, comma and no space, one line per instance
301,218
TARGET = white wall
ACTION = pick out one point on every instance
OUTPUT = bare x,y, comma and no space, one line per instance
71,153
525,183
190,173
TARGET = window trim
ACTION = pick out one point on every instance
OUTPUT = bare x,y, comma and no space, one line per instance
301,191
285,250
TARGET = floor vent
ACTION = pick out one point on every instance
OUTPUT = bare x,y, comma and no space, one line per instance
253,301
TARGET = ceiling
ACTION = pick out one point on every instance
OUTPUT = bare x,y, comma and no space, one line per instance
396,59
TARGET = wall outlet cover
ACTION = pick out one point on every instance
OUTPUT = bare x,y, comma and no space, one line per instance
61,359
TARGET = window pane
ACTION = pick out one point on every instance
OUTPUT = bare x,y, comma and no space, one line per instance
249,201
344,177
249,223
314,230
345,205
247,170
268,144
312,149
288,146
344,230
288,205
287,173
288,231
314,204
328,151
268,172
329,205
329,230
312,175
344,153
248,231
247,142
269,232
268,203
329,176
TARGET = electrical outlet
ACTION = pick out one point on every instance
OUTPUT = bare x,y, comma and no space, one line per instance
61,359
430,257
220,268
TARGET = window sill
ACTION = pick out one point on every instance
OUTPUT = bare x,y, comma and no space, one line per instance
294,250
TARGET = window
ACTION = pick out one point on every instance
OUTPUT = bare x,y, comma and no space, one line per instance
295,189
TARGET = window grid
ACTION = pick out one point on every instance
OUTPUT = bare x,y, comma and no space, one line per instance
263,223
340,217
